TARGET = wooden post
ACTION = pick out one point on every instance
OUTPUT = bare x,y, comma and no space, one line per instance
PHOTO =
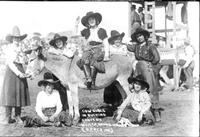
165,28
175,67
129,19
153,23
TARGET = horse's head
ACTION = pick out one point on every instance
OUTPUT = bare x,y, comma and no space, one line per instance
35,62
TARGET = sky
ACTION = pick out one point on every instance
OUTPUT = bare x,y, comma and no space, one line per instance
45,17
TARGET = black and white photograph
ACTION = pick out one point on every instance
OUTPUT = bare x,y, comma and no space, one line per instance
99,68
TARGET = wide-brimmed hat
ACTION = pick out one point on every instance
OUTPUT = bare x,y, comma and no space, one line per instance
96,15
57,37
114,35
36,36
48,78
15,34
139,79
141,31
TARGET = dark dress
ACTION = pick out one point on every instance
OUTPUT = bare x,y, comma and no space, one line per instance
147,65
15,91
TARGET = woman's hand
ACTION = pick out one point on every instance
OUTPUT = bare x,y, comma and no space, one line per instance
22,75
52,118
45,119
119,113
140,117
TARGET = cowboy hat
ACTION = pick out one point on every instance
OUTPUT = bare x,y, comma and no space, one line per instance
96,15
141,31
8,38
139,79
16,34
114,35
48,78
37,34
57,37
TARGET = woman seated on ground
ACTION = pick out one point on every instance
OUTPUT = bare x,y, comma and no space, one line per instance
139,112
116,45
60,47
48,105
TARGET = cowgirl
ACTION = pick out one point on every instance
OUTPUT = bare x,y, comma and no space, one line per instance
15,91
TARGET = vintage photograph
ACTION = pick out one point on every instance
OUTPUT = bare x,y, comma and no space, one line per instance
91,68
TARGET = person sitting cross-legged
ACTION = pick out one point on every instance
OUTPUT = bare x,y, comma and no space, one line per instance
48,105
139,111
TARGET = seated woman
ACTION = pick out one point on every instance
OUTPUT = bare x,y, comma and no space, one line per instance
140,101
48,105
116,45
96,50
60,47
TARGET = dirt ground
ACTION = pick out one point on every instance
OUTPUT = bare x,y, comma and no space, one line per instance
180,117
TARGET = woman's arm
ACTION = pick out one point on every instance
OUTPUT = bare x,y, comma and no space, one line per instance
11,56
69,50
156,55
124,104
146,102
131,47
38,107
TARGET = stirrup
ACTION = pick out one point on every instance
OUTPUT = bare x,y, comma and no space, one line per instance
88,82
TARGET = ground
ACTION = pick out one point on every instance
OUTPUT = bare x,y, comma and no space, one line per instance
180,117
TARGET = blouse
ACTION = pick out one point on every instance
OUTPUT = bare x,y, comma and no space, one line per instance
147,52
45,100
14,54
139,101
122,50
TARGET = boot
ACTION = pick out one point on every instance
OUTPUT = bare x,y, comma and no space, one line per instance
157,115
86,70
9,119
17,115
93,75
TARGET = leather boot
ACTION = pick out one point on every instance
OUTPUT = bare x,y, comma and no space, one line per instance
9,115
157,115
86,70
17,115
93,75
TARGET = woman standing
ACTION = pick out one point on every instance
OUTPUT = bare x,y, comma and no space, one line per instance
147,65
15,92
97,46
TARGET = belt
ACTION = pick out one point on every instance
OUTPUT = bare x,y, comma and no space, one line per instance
94,43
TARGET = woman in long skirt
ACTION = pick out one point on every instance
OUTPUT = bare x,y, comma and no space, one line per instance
148,64
14,92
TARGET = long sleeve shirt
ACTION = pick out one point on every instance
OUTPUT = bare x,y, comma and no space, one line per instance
147,52
14,54
45,100
139,101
